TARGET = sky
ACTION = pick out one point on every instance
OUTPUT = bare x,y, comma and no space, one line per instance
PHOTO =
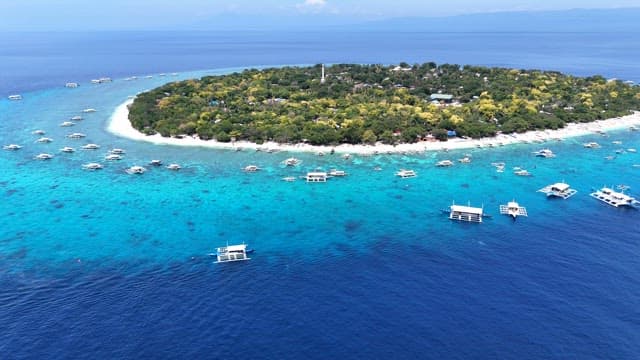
151,14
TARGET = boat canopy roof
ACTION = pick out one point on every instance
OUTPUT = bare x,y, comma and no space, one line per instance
241,247
466,209
560,186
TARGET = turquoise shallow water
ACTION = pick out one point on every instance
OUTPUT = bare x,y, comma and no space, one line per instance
56,214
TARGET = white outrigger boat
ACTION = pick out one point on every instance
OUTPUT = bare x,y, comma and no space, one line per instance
136,170
174,167
615,198
316,176
444,163
560,190
337,173
113,157
44,140
405,174
12,147
513,209
44,156
546,153
251,168
76,136
92,166
292,162
466,213
232,253
91,147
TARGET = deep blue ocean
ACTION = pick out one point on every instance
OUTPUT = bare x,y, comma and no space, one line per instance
109,265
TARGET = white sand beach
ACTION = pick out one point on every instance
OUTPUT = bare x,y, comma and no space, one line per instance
119,125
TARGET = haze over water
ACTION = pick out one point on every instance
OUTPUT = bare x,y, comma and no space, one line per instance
105,264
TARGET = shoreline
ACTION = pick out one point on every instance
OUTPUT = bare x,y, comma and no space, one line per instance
120,125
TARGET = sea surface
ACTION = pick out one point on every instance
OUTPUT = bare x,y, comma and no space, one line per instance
105,264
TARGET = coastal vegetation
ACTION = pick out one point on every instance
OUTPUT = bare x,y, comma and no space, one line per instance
359,104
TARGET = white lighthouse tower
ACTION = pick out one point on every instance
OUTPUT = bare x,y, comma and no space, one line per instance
322,78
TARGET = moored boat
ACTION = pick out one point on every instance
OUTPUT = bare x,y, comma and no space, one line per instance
76,136
251,168
444,163
546,153
232,253
44,156
561,190
92,166
136,170
12,147
113,157
316,176
292,162
513,209
615,198
405,173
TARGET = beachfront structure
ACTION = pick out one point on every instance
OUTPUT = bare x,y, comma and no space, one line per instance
614,198
232,253
317,176
447,98
560,190
322,79
513,209
466,213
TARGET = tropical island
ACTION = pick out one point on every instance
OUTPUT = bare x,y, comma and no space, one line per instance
367,104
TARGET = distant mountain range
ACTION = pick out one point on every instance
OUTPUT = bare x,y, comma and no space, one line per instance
578,20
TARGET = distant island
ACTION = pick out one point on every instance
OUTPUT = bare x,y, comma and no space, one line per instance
367,104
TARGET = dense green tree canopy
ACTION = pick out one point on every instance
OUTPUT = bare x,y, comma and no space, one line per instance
368,103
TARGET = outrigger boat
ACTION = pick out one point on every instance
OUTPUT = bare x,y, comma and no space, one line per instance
232,253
